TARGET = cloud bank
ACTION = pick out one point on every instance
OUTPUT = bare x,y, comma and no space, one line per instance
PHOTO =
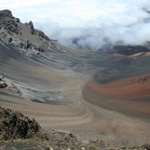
87,24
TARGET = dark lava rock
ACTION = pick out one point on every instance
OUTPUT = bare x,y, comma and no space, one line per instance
10,40
29,45
16,125
129,50
22,45
41,50
3,85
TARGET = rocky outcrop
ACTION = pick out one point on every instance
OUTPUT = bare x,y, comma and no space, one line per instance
8,22
32,27
6,13
7,86
42,35
3,85
16,125
24,37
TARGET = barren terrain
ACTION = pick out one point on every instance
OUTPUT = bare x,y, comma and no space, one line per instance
54,98
95,96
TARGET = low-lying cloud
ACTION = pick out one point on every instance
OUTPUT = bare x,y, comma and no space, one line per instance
127,23
87,24
96,38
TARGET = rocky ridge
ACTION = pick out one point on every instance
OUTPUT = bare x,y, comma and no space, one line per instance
24,37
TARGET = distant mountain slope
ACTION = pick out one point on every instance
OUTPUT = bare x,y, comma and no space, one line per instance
130,50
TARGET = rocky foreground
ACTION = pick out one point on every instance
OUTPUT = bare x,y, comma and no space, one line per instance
19,132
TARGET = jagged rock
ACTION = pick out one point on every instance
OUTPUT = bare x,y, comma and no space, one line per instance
32,27
42,35
8,22
24,37
12,26
16,125
6,13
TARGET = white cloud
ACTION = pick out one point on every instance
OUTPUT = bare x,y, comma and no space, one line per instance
64,12
90,21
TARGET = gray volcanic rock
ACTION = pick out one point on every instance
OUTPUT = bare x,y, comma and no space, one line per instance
8,22
6,13
32,27
42,35
24,37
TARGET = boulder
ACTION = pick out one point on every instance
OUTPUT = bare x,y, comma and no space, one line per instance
3,85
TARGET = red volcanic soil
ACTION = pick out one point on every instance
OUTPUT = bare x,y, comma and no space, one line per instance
129,96
135,87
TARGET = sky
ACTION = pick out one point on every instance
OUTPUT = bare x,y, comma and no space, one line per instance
88,24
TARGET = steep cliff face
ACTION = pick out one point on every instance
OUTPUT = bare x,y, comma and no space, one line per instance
24,37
